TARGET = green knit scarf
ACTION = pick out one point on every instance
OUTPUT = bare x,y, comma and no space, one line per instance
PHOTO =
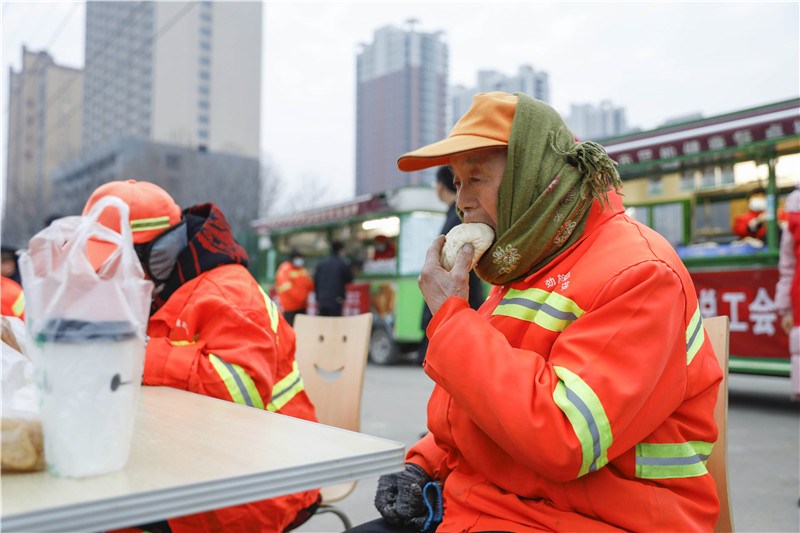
548,188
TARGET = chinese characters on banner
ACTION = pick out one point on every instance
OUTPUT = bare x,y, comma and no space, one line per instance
747,297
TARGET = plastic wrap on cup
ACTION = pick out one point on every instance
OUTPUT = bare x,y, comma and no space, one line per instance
90,378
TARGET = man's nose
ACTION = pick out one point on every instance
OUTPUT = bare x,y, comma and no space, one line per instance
464,200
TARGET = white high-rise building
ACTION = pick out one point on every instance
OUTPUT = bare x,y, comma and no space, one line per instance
527,80
185,73
401,104
590,122
44,131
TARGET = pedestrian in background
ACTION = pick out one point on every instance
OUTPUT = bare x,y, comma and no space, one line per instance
330,281
446,191
293,284
212,331
787,291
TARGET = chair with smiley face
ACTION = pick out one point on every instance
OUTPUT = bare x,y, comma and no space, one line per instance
331,355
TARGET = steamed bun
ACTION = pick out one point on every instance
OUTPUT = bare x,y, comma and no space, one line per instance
479,235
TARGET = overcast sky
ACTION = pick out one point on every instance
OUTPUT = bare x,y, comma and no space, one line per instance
658,60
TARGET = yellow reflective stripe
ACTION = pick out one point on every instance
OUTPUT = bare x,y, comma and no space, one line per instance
298,273
183,343
18,307
144,224
272,309
239,384
283,287
587,416
672,460
695,335
550,310
286,389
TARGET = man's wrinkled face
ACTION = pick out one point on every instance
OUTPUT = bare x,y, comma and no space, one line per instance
477,177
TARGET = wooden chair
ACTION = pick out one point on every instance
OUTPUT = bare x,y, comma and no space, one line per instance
717,329
331,355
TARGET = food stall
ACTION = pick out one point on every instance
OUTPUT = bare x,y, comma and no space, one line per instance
689,181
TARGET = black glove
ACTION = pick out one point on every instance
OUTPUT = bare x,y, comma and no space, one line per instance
401,501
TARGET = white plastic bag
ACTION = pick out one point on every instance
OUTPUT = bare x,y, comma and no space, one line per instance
88,330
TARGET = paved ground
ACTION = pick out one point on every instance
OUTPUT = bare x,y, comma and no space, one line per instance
763,444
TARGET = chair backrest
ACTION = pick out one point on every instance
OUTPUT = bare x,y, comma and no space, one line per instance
331,354
717,329
332,357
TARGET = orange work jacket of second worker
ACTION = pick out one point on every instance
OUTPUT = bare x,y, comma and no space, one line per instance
293,285
13,299
221,336
578,399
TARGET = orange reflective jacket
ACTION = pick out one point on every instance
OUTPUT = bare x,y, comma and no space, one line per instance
13,300
579,399
221,336
293,285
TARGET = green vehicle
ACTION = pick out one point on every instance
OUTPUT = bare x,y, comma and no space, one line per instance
690,182
386,236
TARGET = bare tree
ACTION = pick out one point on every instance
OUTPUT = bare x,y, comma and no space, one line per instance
306,193
272,187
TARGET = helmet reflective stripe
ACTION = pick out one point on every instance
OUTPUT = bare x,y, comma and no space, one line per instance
18,307
239,384
286,389
550,310
672,460
145,224
695,335
587,416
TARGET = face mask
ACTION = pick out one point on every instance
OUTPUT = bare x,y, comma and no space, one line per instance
297,262
158,257
757,203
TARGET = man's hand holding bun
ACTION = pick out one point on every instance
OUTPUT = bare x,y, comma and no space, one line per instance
449,260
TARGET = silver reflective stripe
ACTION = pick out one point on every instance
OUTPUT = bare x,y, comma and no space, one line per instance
536,306
239,382
587,414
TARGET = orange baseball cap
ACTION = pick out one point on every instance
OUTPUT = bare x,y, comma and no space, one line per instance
152,210
486,124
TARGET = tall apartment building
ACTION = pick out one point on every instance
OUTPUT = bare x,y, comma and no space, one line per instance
401,105
527,80
44,131
185,73
590,122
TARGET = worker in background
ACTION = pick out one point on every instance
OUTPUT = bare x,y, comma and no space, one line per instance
11,296
384,248
212,331
293,284
753,223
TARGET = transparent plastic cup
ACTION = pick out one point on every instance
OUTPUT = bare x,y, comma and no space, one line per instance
90,378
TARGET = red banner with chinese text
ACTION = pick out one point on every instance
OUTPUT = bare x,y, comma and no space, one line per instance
747,297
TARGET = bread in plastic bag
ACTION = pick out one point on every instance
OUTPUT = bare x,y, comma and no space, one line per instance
21,424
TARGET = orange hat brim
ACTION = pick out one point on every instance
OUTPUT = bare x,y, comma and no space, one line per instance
439,153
